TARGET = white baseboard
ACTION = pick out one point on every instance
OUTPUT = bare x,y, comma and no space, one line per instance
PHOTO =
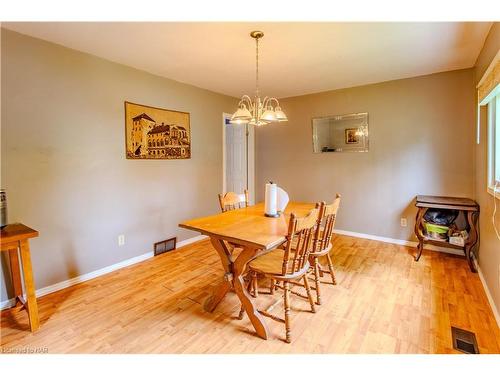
91,275
398,242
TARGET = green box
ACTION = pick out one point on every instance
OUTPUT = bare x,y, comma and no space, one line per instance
441,229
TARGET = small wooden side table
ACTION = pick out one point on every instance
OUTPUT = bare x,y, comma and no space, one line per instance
471,211
14,238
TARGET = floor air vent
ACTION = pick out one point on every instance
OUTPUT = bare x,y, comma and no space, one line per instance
164,246
464,341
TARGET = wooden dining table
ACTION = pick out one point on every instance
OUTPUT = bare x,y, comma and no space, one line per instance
256,234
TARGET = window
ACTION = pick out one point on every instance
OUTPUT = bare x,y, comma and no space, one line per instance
494,140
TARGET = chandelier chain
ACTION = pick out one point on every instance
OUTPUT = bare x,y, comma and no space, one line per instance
257,67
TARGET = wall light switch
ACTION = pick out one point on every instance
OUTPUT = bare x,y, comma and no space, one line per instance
404,222
121,240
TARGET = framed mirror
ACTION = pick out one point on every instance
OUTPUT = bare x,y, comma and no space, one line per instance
341,133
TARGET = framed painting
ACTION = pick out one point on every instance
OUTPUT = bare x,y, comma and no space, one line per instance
156,133
351,136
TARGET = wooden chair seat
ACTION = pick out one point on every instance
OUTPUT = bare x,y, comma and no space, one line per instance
325,250
271,265
268,264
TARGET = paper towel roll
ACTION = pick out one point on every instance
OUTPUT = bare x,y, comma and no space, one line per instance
283,199
271,200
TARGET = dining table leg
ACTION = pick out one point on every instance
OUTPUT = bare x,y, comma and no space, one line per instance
233,278
227,283
239,269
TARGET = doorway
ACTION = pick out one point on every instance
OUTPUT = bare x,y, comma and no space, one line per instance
238,157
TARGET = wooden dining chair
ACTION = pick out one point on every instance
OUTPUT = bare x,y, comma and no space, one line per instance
323,245
288,265
233,201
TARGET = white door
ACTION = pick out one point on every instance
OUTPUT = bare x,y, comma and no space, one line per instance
236,157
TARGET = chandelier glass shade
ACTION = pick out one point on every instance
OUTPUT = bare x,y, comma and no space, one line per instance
258,111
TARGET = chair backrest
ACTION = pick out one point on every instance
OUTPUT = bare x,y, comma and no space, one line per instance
324,231
299,239
232,201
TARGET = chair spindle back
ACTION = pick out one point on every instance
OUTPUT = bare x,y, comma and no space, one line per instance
232,201
298,245
324,232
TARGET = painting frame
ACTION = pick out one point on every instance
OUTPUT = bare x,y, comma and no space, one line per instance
351,138
179,150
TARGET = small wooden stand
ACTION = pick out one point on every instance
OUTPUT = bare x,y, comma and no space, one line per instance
14,238
471,211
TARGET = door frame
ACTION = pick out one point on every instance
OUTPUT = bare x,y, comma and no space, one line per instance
250,158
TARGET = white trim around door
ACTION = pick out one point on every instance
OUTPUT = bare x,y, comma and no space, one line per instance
250,159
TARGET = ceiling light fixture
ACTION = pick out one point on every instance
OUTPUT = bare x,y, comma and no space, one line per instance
258,112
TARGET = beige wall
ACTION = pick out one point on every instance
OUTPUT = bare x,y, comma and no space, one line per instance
421,142
64,166
489,256
65,172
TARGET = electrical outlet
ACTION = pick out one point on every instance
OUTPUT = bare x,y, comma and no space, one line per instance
404,222
121,240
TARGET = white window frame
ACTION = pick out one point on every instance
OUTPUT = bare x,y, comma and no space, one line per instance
493,101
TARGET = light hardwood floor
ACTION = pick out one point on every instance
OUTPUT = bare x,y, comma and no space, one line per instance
384,303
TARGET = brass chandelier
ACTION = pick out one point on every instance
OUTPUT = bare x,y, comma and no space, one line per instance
258,112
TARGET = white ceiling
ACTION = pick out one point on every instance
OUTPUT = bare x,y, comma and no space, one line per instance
295,58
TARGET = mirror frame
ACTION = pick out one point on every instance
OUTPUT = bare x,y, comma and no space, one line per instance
346,115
